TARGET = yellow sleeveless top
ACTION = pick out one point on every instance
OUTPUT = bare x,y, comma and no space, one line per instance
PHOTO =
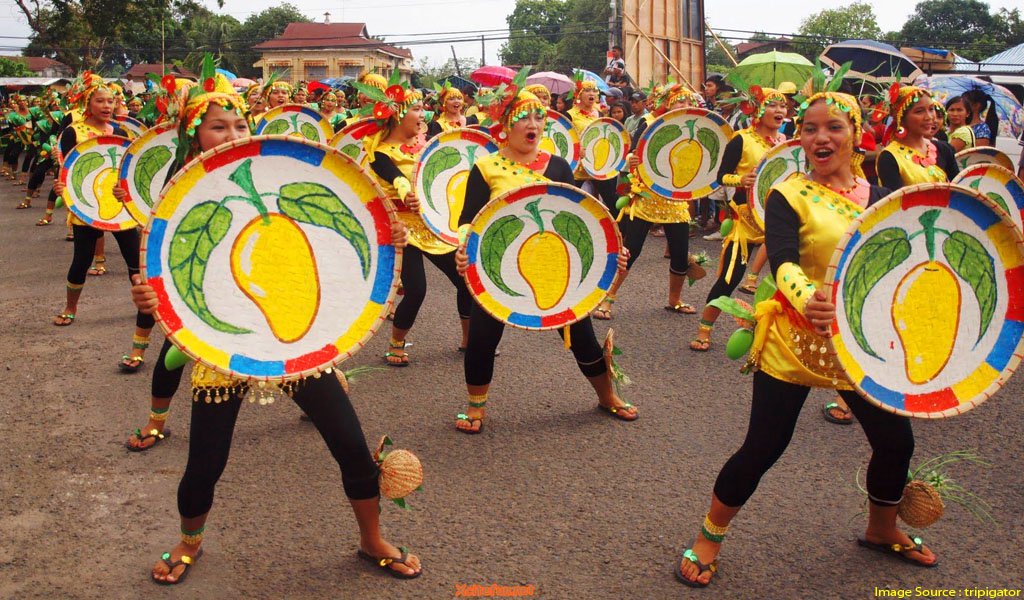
912,171
503,175
419,235
785,345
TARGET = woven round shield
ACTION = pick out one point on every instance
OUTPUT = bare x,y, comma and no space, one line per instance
928,285
89,174
296,120
132,126
144,169
999,185
560,139
778,165
441,175
604,145
349,139
983,155
680,153
272,258
542,256
921,505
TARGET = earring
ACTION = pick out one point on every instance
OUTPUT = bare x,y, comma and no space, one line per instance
901,133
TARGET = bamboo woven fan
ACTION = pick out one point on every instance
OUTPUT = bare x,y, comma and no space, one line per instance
144,169
680,153
89,174
782,162
604,145
999,185
560,139
296,120
349,139
979,155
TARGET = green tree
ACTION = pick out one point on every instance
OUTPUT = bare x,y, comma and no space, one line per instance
583,40
261,27
14,68
965,26
856,21
1011,24
534,30
219,36
426,74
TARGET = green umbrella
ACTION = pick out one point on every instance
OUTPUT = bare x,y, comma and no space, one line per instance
770,69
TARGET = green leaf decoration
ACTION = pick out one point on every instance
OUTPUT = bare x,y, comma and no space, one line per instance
400,503
998,200
765,290
445,158
150,163
316,204
732,307
86,164
275,127
493,245
881,253
310,132
203,227
709,140
562,143
592,134
974,265
769,175
574,230
661,138
616,141
351,150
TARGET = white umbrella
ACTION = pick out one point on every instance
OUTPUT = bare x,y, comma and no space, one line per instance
555,82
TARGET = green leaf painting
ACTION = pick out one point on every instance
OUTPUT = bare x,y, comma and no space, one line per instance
562,144
351,150
276,127
574,230
615,140
974,265
310,131
998,199
709,140
150,163
661,138
769,175
591,135
84,165
880,254
316,204
493,245
445,158
198,233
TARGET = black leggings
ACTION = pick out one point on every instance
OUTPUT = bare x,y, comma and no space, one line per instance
85,247
39,172
29,160
634,233
414,285
327,406
604,189
165,382
485,332
11,154
773,415
726,288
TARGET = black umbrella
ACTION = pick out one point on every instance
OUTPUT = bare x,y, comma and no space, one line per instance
873,61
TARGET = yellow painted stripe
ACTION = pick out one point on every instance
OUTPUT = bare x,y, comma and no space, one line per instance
591,302
497,310
851,366
177,192
1004,238
357,331
200,348
976,383
881,213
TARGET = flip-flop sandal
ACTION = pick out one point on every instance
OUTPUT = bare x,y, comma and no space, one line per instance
153,435
619,412
129,368
702,568
470,420
900,551
682,308
43,222
385,563
827,409
602,314
188,561
69,317
699,345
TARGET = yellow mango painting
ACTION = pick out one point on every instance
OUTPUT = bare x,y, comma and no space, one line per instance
926,315
543,262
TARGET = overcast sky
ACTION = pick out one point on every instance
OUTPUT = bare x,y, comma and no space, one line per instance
399,19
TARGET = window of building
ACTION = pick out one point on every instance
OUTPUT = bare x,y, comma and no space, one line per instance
316,72
352,70
692,19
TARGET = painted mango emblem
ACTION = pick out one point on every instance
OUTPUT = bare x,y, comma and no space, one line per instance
686,157
271,259
444,159
926,305
103,182
543,259
607,145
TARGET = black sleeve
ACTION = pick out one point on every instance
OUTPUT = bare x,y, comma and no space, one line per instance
68,140
946,159
385,168
781,231
877,193
558,170
888,171
641,127
478,193
472,120
731,158
433,128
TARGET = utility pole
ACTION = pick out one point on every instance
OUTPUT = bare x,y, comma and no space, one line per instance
458,71
483,51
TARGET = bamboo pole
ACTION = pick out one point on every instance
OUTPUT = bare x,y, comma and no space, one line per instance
662,54
720,43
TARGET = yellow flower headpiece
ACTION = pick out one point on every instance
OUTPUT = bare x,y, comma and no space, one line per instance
329,96
903,97
667,96
374,80
83,89
449,92
843,102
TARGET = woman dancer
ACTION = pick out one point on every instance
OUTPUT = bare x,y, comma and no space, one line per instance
329,109
911,157
450,115
586,110
801,235
742,154
395,150
521,162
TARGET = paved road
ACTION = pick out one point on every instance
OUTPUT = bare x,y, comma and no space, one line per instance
553,494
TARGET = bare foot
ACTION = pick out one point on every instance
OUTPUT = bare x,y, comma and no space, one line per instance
162,573
382,549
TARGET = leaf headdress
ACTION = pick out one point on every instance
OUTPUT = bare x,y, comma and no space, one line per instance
213,88
387,105
752,99
508,103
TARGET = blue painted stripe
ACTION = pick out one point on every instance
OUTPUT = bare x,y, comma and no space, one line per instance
471,247
983,216
567,193
847,252
609,272
74,155
307,154
884,394
1006,343
382,281
157,230
251,366
126,164
524,320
